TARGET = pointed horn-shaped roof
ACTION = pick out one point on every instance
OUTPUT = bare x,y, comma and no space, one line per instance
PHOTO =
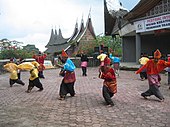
81,30
51,41
74,32
60,33
89,26
55,32
73,35
81,26
109,20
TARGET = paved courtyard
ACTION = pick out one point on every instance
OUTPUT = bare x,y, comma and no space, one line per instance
87,108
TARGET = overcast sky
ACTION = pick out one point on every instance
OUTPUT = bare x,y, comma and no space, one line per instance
31,21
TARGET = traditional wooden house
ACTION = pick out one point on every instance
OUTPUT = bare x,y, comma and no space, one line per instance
80,38
56,43
83,40
144,29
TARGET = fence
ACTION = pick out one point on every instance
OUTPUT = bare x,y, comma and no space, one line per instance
76,60
92,62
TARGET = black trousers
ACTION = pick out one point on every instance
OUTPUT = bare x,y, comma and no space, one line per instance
66,88
13,81
169,78
143,75
40,74
19,75
36,82
84,70
107,95
153,90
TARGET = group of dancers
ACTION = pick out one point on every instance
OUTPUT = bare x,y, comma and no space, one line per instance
106,72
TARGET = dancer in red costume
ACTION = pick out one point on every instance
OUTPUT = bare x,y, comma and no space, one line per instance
40,59
153,68
109,85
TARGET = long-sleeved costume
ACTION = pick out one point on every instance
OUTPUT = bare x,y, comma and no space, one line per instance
12,68
109,84
143,60
153,69
116,63
34,80
101,57
67,84
40,59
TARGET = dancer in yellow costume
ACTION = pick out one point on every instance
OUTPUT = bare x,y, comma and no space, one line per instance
12,68
34,79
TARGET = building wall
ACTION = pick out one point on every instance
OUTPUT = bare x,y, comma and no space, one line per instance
86,41
129,52
149,43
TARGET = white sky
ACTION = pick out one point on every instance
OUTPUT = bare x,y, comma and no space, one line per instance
31,21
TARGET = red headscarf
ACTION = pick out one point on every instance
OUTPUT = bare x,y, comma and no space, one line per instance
107,61
157,54
64,54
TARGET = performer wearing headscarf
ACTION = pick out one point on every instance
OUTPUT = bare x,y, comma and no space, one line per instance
153,68
13,68
40,59
67,84
109,84
34,79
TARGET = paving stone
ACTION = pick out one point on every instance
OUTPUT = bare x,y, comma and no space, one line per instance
87,108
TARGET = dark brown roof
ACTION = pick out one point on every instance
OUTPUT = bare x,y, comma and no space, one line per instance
141,8
56,42
90,26
80,32
74,32
56,48
51,41
109,20
59,40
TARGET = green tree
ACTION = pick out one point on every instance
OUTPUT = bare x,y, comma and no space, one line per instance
31,48
13,49
7,54
114,44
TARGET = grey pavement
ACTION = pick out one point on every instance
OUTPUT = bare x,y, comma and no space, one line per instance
87,108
